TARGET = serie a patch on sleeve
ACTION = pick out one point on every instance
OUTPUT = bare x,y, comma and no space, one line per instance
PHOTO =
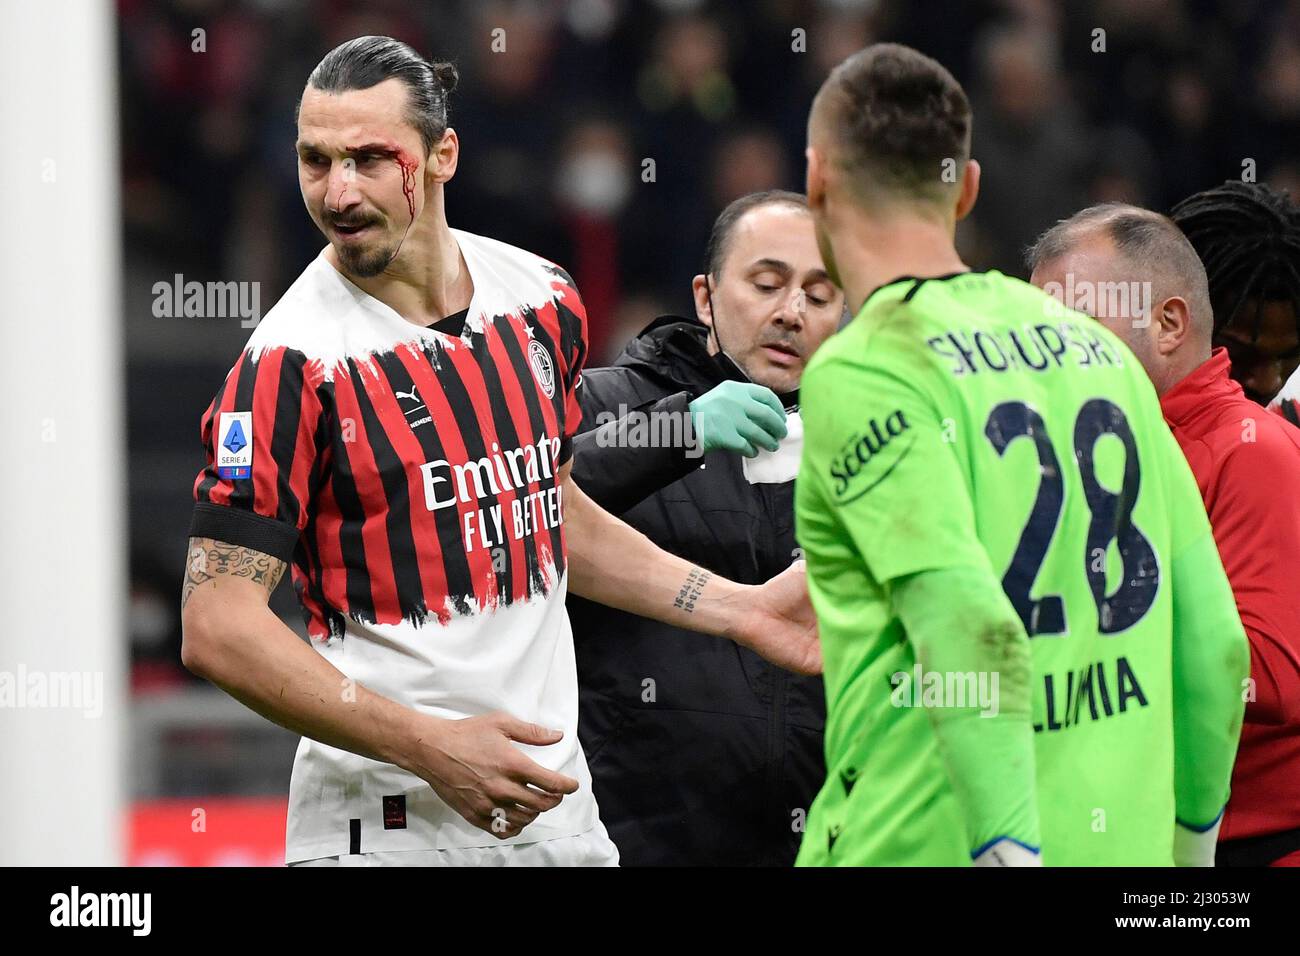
235,445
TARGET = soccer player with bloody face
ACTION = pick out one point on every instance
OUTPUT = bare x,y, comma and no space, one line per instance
1032,654
398,430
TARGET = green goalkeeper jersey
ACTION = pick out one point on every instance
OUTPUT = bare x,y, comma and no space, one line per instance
971,422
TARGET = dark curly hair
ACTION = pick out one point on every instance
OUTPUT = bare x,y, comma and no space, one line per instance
1248,236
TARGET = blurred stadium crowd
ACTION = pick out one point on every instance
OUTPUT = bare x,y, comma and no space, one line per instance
608,134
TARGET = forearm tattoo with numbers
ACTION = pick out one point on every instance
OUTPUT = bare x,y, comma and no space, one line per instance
691,589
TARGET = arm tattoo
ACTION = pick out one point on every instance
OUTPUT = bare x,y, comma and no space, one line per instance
208,559
691,589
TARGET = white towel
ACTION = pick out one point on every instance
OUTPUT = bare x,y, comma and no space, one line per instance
782,465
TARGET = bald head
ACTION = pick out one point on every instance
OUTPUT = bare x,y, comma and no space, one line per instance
1135,272
1144,246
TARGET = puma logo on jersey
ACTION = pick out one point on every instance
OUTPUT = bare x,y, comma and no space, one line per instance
413,395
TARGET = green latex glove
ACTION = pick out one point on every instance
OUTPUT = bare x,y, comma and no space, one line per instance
740,417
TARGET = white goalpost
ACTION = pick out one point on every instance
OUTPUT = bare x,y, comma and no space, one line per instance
63,550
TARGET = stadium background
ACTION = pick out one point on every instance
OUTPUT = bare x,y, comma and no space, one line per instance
555,132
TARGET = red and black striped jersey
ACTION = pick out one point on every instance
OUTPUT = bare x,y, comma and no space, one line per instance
409,475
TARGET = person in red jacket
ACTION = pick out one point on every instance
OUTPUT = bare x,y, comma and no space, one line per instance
1136,273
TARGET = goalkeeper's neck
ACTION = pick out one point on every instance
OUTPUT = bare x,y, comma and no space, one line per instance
872,250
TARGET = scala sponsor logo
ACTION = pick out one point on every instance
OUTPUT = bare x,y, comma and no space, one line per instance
446,484
859,452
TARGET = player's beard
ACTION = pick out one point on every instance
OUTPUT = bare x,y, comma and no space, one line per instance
367,258
365,262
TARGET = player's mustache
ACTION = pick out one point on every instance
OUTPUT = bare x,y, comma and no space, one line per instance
335,221
785,342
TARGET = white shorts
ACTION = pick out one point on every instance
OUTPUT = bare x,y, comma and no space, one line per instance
593,848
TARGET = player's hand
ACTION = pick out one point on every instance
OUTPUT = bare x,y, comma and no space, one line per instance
777,622
475,767
738,416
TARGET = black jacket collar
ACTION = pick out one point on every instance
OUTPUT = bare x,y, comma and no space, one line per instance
675,351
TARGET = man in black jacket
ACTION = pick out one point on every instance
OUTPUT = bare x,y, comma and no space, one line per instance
702,753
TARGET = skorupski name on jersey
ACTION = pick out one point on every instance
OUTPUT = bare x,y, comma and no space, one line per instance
1039,347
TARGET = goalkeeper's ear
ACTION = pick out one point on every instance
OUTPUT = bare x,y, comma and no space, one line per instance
970,188
815,178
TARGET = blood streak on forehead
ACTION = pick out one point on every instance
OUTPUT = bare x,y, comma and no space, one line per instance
407,163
